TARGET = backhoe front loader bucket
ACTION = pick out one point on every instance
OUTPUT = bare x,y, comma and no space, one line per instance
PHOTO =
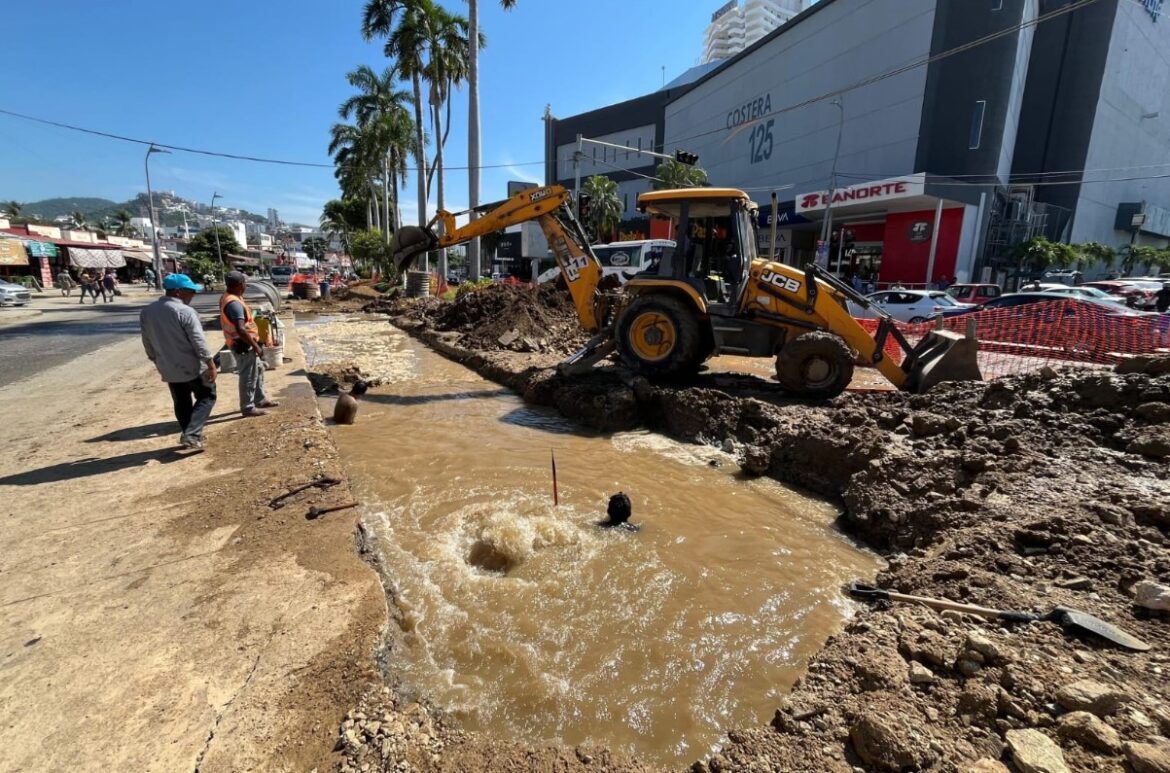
410,241
942,355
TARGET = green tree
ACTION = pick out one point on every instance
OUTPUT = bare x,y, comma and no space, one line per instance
473,145
403,23
1094,253
671,174
1035,254
356,161
12,209
78,220
315,247
122,225
605,208
201,247
1134,255
368,249
380,110
341,217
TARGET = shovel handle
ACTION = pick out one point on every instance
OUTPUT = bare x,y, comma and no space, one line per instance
860,590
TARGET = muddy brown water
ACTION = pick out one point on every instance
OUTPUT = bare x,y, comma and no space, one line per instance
523,618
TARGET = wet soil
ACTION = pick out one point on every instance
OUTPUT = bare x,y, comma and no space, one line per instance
1023,493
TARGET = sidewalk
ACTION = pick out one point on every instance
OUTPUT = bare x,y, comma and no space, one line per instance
155,612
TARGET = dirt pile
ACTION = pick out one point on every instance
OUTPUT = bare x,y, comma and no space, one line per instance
1024,493
500,317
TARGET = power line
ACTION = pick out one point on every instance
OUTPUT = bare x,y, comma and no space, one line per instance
892,73
219,154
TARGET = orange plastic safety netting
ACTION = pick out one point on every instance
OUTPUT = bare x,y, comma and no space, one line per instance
1024,338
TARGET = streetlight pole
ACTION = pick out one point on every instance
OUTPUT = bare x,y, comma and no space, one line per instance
828,221
215,230
153,216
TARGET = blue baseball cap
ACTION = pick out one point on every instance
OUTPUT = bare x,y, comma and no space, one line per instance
180,282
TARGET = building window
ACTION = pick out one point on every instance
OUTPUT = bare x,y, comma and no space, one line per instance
639,147
625,202
627,150
977,125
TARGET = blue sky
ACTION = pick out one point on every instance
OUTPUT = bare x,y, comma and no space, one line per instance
264,78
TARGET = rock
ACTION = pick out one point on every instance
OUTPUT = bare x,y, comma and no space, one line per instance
1148,757
1048,373
984,646
1152,595
886,746
920,674
927,424
1155,413
508,338
968,668
1089,731
978,704
985,765
1091,696
1034,752
1076,583
1153,444
756,460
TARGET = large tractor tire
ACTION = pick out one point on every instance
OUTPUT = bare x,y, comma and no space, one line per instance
817,365
660,337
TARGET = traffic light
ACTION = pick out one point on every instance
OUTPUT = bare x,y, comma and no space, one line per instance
583,200
685,157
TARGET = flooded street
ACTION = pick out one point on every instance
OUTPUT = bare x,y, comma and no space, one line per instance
526,620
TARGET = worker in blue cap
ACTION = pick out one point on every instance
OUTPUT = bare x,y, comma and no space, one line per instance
173,338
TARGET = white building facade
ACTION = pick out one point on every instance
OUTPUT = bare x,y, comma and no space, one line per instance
734,27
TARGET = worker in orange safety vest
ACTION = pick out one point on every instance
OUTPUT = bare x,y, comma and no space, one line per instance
240,335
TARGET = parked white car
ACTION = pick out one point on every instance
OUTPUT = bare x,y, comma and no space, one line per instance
14,294
911,305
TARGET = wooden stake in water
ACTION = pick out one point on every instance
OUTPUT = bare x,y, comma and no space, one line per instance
556,498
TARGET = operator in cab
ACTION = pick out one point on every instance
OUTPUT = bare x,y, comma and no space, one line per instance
619,512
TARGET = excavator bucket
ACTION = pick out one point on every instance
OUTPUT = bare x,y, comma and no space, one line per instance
942,355
410,241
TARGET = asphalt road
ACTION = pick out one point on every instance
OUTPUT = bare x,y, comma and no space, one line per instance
66,332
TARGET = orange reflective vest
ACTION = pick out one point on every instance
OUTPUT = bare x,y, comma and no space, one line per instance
230,334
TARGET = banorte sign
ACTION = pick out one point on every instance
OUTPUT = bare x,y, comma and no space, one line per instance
879,190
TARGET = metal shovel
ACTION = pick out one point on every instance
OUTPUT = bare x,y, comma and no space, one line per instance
1069,619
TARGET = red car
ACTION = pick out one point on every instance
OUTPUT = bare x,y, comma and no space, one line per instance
1138,296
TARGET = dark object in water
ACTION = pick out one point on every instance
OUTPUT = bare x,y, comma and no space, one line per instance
345,411
619,511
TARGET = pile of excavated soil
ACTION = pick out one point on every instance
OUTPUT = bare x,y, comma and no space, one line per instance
501,317
1023,493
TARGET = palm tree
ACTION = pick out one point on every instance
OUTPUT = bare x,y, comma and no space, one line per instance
446,69
605,208
672,174
122,220
13,209
406,42
473,158
356,164
380,108
78,221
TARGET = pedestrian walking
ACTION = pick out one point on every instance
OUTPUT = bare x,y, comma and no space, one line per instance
86,287
174,342
65,282
148,277
109,286
240,335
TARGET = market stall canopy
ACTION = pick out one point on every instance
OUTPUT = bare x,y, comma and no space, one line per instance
12,253
144,257
83,257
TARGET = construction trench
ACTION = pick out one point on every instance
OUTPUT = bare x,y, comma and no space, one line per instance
1023,493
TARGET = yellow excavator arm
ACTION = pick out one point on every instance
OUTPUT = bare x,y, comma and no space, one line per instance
550,207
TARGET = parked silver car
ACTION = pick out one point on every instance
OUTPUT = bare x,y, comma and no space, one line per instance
13,294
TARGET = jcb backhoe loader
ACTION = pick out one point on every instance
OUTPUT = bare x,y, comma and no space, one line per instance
710,294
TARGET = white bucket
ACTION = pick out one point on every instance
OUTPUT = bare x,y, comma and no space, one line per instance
227,361
273,356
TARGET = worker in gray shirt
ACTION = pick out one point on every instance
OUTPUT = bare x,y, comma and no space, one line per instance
174,342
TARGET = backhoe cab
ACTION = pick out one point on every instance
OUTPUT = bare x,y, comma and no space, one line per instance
712,294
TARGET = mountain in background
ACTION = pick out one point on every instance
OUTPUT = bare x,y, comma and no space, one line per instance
171,209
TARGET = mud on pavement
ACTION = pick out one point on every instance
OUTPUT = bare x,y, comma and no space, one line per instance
1024,493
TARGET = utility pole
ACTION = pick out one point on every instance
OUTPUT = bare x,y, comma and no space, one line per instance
153,216
826,226
577,171
215,230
